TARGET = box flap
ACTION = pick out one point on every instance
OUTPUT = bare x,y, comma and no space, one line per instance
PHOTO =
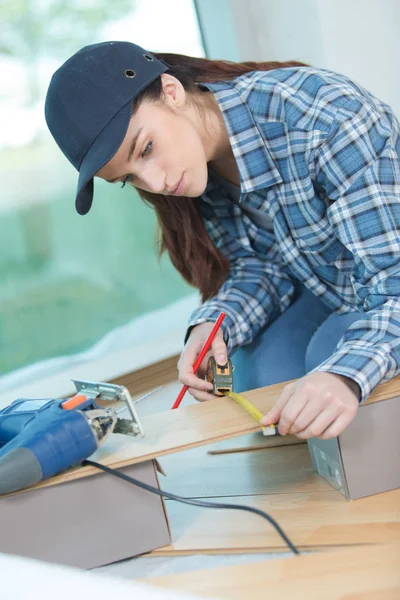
159,468
369,447
327,461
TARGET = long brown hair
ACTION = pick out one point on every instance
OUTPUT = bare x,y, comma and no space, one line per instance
182,233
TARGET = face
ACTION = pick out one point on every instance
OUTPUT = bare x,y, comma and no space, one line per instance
164,150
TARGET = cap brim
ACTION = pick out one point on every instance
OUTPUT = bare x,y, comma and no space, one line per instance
99,154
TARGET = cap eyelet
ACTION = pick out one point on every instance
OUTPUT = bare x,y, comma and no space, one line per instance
130,73
148,57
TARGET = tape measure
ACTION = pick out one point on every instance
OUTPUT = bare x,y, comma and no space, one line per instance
221,376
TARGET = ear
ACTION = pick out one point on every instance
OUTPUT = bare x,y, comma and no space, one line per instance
173,91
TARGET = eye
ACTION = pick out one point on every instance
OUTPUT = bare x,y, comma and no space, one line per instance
147,150
126,180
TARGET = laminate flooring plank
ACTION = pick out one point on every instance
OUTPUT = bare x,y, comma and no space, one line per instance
189,427
310,520
363,573
275,470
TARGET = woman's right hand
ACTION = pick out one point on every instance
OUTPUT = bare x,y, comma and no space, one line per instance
198,387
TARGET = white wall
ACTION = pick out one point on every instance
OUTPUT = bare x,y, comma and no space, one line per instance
360,38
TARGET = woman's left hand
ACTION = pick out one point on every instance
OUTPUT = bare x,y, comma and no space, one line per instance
317,405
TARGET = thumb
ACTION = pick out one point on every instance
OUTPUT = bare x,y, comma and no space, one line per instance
272,416
219,349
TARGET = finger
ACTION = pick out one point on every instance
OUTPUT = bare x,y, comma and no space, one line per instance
188,358
219,349
316,427
336,427
200,396
202,370
192,381
273,415
310,412
293,408
186,375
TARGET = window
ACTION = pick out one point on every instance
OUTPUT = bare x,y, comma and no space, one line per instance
66,280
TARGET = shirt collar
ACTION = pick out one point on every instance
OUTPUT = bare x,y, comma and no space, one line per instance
256,166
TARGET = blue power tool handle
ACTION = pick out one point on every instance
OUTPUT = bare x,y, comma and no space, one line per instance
56,438
17,415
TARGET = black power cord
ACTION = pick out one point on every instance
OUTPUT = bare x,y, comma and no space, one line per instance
201,503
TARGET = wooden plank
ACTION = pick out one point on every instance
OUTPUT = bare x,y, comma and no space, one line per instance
140,381
311,520
253,442
195,474
368,573
188,427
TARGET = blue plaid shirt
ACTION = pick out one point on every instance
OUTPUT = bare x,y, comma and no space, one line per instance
317,153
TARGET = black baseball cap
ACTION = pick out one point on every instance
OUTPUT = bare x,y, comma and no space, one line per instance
89,105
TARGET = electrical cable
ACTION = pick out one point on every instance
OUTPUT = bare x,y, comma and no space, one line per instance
201,503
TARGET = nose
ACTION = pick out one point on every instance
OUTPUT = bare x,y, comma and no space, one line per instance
154,180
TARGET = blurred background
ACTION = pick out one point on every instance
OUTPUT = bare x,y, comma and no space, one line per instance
67,281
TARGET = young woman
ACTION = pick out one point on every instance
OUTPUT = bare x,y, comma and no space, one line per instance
277,191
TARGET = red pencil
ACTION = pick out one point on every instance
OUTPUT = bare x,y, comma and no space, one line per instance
200,357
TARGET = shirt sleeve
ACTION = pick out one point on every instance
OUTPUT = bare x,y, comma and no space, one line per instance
255,292
358,168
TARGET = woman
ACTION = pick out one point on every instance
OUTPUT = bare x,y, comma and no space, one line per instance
277,190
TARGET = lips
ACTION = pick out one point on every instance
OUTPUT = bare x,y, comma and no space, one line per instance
178,188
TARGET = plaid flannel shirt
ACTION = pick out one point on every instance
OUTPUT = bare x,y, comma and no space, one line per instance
318,154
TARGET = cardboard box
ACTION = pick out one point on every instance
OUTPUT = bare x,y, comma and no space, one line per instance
87,522
364,459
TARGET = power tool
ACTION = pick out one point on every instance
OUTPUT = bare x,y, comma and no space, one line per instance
221,376
40,438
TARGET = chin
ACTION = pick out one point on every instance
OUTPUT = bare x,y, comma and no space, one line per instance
195,192
197,188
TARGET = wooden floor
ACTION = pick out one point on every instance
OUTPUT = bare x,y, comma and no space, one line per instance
276,475
364,572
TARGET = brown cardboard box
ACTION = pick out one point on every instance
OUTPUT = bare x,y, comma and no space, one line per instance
86,522
365,458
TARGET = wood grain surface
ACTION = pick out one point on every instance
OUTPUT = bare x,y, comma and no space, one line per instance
310,519
275,470
191,426
368,573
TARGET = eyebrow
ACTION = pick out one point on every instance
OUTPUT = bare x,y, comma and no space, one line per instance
131,151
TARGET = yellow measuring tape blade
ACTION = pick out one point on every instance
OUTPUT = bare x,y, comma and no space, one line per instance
254,412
